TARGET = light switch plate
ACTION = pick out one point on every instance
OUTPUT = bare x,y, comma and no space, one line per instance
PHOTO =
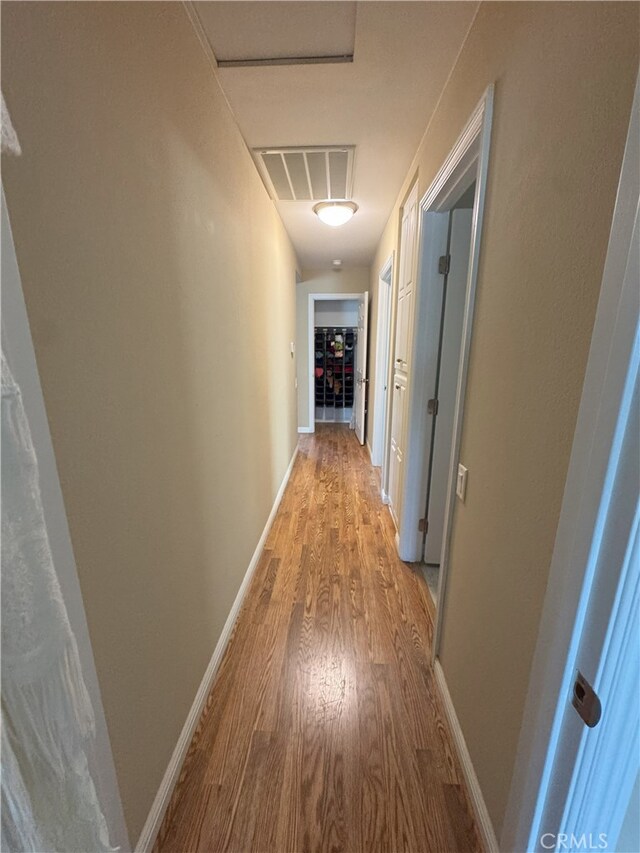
461,482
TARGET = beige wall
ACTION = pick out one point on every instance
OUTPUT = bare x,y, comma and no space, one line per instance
353,280
160,287
564,75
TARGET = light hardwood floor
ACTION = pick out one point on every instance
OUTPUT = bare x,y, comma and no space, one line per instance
324,730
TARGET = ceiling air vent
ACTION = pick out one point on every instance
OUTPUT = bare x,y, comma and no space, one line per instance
307,174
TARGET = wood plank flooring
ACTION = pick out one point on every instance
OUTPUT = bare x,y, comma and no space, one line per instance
323,730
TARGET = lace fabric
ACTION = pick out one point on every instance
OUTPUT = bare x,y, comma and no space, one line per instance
9,139
49,801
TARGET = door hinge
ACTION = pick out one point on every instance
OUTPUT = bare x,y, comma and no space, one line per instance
423,525
432,407
443,264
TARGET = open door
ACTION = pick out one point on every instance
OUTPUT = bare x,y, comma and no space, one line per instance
361,368
444,393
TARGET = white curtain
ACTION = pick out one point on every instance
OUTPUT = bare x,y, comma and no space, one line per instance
49,801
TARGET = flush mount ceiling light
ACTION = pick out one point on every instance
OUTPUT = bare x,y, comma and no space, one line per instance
335,213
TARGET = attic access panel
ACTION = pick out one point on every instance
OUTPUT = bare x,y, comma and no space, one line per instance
307,174
281,33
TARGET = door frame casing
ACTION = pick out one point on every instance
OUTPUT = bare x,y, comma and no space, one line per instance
312,299
467,162
572,570
379,456
360,364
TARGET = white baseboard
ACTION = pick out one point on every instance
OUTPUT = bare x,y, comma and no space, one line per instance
162,798
385,497
305,429
487,832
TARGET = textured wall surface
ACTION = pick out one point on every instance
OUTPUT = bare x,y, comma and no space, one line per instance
160,286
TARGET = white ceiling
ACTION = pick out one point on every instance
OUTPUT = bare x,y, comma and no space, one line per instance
381,102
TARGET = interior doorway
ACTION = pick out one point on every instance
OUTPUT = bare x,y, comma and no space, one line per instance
338,359
442,393
449,223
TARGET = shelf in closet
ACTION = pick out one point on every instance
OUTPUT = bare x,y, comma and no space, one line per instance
335,355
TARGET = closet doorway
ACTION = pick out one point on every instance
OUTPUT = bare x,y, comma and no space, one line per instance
443,390
448,231
338,359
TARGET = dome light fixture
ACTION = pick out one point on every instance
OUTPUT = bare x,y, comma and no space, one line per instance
335,213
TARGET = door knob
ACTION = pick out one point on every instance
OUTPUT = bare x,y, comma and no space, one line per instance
586,701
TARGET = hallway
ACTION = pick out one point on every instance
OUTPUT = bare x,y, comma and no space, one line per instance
323,730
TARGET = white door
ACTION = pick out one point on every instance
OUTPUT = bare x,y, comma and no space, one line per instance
406,288
382,370
447,379
406,282
402,331
361,368
396,455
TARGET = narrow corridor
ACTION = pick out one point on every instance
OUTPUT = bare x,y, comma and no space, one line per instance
323,730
